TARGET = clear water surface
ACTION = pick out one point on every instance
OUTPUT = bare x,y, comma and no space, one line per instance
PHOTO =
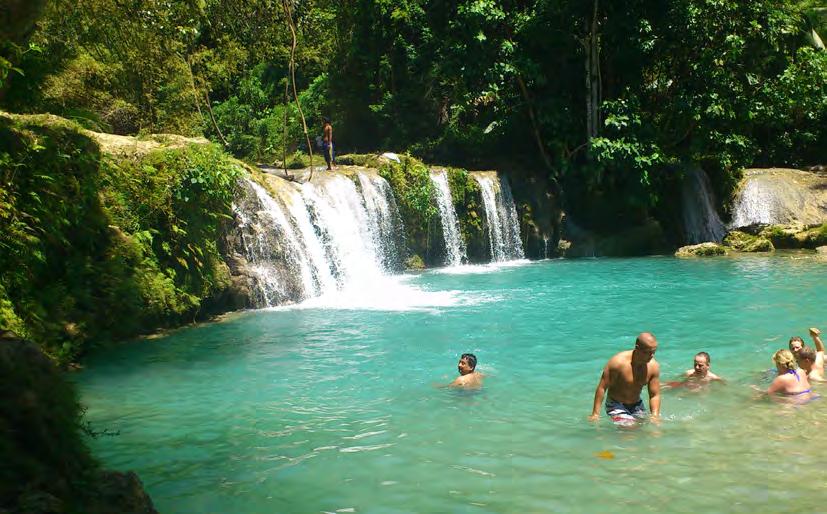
332,406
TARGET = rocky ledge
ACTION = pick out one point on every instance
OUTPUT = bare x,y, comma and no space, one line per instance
701,250
46,466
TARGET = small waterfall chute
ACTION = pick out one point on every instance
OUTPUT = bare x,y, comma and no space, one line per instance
386,224
455,251
501,217
700,219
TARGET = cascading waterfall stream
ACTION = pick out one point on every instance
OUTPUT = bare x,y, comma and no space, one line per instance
501,217
700,219
455,252
384,215
319,238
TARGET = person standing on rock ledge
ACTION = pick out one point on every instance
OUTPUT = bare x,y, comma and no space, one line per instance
327,144
624,377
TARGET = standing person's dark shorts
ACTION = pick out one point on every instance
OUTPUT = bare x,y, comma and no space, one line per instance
328,153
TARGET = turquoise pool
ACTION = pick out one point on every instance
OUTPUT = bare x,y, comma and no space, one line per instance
333,406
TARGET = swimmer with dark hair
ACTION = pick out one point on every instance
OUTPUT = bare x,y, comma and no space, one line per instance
469,377
700,374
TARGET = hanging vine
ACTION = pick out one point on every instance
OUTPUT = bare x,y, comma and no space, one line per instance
288,14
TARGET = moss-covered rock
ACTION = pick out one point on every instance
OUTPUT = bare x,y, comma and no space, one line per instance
701,250
414,262
795,236
466,196
743,242
100,246
47,466
367,160
413,191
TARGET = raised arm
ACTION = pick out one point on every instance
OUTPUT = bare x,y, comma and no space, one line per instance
654,392
599,393
816,335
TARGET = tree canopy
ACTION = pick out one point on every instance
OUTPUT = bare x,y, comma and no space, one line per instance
606,100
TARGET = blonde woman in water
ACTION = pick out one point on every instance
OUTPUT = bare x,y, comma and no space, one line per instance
791,383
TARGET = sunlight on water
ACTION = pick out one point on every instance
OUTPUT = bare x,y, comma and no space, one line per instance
318,408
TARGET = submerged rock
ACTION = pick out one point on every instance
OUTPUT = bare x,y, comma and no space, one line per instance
701,250
743,242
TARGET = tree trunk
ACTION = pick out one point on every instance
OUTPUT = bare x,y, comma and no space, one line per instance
591,46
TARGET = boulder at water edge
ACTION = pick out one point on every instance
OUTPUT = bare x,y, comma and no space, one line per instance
701,250
796,235
743,242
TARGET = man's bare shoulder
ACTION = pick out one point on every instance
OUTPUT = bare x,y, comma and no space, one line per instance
620,359
469,380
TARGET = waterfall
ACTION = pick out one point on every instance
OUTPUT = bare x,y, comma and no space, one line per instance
318,238
455,253
700,219
384,215
501,217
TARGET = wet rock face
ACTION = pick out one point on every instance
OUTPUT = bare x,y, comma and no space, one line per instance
645,239
701,250
778,196
540,215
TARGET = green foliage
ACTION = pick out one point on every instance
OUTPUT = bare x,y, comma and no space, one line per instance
253,121
466,196
40,431
469,83
414,192
80,231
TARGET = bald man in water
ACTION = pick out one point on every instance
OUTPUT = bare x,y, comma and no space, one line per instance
624,377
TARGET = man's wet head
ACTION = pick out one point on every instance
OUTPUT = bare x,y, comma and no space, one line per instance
467,363
645,347
701,364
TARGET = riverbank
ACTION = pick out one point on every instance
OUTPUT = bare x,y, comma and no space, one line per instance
110,237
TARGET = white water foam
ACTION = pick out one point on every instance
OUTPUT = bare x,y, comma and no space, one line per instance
319,239
479,269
